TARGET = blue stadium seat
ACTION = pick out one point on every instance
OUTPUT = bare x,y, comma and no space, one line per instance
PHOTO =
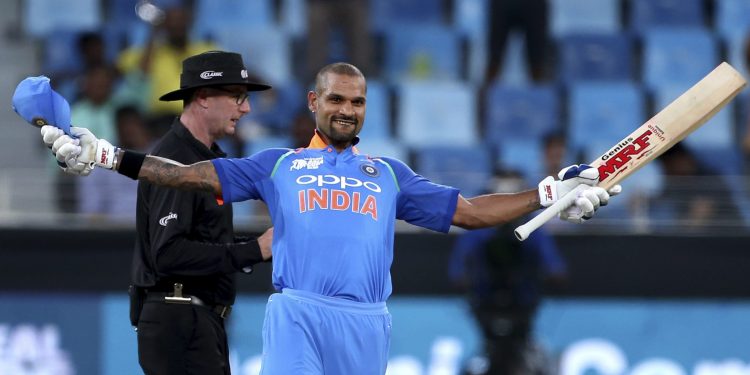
422,52
603,113
261,143
735,51
294,17
584,16
467,168
436,113
521,112
525,156
470,19
718,132
276,109
731,17
595,57
60,53
676,56
266,51
241,14
378,118
647,14
385,14
383,147
43,18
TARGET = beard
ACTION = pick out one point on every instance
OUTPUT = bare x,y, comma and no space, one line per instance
338,133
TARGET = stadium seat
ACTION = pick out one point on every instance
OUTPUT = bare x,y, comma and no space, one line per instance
240,14
470,19
735,51
584,16
422,52
676,56
520,113
293,19
276,109
378,119
603,113
718,132
436,113
647,14
266,51
523,155
465,167
383,147
44,18
731,17
261,143
385,14
595,57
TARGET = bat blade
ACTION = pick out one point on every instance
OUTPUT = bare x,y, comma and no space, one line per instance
671,125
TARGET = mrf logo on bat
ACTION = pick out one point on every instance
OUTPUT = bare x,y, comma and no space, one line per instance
641,146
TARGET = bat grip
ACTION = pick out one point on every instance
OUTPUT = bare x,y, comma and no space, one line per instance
523,231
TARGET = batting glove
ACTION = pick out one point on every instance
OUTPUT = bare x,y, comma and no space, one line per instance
54,138
90,151
587,200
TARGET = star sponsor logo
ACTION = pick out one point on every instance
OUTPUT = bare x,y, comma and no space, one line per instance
165,220
306,163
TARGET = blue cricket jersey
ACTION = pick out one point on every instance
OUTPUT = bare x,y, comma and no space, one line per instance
334,214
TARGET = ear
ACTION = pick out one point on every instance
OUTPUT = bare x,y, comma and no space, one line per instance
312,101
201,98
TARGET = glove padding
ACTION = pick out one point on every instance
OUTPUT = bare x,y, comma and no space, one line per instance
80,154
54,138
587,201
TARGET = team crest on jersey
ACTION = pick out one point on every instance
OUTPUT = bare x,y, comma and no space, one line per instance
369,170
306,163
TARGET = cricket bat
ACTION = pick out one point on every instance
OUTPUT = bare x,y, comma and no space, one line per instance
680,118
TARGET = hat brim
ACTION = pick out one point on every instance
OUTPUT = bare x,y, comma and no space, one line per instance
183,93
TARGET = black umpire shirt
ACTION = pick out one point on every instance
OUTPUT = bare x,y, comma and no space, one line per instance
186,236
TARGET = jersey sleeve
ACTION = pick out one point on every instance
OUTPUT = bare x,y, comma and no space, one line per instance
420,201
245,178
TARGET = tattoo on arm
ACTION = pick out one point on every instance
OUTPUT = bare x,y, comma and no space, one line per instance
169,173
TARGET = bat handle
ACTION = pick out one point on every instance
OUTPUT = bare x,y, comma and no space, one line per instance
523,231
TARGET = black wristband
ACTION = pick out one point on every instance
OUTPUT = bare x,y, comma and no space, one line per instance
131,163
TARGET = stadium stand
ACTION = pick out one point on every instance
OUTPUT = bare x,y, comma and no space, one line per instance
647,14
465,167
584,16
514,113
436,113
595,56
603,113
677,56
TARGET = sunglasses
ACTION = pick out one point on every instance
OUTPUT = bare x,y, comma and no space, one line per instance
239,98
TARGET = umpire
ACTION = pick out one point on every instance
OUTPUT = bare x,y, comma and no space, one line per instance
187,253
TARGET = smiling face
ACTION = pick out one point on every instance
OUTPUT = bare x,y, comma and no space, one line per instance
339,105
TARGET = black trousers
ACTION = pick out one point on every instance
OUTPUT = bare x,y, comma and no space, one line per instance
175,339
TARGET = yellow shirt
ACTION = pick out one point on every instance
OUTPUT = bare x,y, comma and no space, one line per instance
164,73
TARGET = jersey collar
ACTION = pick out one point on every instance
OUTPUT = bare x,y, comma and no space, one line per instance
317,142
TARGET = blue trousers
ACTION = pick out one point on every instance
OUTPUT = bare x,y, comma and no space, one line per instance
310,334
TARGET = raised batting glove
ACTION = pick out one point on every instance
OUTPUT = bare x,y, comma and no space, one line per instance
90,150
587,201
54,138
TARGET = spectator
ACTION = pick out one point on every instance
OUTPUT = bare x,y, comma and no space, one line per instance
347,21
91,51
504,280
694,195
554,152
530,17
157,65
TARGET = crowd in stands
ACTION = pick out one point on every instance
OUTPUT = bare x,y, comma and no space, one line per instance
461,89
